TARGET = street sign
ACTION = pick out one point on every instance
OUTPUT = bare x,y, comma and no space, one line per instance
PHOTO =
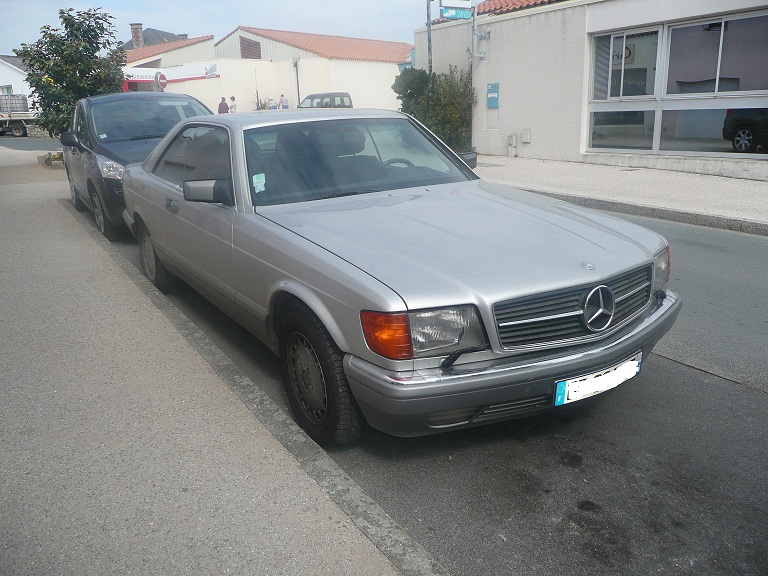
455,13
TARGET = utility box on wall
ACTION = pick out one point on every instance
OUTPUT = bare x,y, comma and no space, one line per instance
492,96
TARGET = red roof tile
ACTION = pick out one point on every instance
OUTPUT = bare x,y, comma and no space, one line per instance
504,6
157,49
338,47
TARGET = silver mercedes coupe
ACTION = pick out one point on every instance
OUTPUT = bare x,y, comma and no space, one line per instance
396,287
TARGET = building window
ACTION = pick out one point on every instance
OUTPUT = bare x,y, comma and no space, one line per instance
627,64
712,99
5,90
719,56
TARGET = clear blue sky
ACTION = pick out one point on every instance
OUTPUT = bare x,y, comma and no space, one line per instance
393,20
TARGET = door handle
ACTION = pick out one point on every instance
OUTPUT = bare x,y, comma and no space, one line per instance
171,205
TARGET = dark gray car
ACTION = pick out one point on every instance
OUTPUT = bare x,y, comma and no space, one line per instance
396,287
107,132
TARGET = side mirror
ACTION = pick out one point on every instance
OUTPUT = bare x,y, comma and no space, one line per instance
215,191
470,158
69,138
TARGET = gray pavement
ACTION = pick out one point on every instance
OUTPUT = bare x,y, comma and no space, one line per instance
132,450
716,201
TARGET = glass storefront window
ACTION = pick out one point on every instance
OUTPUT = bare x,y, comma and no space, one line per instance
631,130
626,63
744,61
693,53
735,130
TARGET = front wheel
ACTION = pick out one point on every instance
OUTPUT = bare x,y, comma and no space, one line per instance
151,266
102,220
744,140
313,376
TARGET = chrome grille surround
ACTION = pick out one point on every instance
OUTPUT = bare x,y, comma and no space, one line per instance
555,319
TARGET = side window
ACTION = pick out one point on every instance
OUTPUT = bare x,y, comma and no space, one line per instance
197,153
81,125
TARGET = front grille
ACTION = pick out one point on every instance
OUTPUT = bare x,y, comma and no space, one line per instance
557,318
509,409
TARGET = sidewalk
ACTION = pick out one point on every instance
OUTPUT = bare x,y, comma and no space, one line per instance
715,201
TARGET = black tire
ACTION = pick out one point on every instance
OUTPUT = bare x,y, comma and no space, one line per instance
313,376
151,267
74,196
102,220
18,131
744,140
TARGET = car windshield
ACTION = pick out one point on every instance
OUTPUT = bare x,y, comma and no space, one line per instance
314,160
129,119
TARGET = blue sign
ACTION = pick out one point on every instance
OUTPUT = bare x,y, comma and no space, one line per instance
455,13
492,96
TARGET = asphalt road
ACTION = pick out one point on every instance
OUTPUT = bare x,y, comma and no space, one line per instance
666,474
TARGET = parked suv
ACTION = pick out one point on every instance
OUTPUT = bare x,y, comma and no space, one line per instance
327,100
107,132
746,128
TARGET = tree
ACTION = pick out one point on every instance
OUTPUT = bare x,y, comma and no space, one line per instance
449,111
83,59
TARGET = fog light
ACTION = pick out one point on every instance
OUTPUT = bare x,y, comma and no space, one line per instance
451,417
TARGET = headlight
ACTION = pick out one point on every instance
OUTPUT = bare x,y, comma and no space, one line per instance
110,168
422,334
662,265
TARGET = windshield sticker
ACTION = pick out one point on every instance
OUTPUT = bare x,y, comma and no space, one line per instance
102,136
259,183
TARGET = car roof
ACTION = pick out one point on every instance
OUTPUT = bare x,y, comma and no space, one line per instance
246,120
138,96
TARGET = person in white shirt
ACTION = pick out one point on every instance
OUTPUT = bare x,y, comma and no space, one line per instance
232,105
283,101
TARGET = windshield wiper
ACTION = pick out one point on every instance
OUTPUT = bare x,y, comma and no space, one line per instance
147,136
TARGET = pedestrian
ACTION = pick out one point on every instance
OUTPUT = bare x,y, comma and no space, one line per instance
232,105
271,104
283,101
223,107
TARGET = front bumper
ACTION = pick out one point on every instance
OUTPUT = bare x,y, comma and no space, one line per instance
417,403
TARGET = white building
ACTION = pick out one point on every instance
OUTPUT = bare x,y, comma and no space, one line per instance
13,77
627,82
251,63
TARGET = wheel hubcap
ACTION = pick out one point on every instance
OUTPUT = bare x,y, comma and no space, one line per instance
307,378
98,213
148,255
743,140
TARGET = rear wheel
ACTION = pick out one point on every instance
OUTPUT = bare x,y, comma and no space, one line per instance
102,220
74,196
18,130
744,140
313,376
153,269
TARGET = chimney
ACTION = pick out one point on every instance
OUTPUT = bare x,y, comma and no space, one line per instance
137,35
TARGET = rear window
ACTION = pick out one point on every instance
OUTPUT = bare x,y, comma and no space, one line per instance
127,119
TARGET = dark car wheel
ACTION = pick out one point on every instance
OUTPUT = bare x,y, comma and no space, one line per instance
18,131
153,269
744,140
313,376
74,196
102,220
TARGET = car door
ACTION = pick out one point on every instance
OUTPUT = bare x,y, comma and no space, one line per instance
76,157
197,236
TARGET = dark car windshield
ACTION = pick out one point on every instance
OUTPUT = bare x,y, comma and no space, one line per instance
314,160
135,119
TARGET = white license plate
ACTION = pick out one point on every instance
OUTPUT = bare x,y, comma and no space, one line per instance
585,386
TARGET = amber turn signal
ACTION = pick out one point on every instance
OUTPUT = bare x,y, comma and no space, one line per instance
387,334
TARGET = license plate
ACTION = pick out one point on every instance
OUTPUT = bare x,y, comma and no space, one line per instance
585,386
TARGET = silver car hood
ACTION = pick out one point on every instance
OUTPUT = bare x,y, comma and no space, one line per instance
471,242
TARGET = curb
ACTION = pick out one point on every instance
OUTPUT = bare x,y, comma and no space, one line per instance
733,224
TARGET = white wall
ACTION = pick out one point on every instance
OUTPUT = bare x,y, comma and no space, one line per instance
12,76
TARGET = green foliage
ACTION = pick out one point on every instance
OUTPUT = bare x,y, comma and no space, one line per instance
83,59
448,112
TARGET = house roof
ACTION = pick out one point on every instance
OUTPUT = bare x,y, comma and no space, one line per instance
14,61
150,51
153,36
504,6
338,47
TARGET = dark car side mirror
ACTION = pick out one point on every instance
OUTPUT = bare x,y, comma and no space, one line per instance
69,138
470,158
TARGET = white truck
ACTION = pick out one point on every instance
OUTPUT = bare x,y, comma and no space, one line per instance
15,115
